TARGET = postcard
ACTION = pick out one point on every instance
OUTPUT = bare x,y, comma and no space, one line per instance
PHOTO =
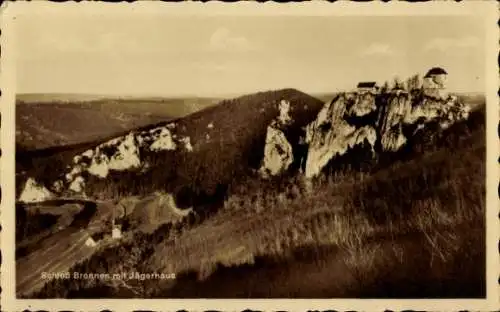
231,156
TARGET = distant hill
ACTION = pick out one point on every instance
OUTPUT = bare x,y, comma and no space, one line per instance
57,97
41,126
45,121
475,100
326,96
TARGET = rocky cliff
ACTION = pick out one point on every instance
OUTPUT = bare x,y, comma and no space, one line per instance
278,152
379,122
345,122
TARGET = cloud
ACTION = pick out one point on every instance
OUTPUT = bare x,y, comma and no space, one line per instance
446,44
224,40
378,48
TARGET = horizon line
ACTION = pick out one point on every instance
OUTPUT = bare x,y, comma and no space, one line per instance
193,95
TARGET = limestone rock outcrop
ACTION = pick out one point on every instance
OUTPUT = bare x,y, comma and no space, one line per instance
383,122
338,128
405,111
34,192
278,152
122,153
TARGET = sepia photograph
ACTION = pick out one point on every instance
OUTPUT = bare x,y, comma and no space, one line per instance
249,155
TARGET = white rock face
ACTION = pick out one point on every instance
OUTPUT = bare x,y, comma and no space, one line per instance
402,112
331,135
187,143
163,142
127,155
99,167
284,112
76,170
77,159
124,156
123,153
398,110
447,111
34,192
335,142
77,185
88,153
278,153
119,154
363,104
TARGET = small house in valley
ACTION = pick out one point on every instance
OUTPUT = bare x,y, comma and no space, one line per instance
116,232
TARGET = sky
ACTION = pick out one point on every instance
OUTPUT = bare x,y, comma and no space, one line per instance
206,56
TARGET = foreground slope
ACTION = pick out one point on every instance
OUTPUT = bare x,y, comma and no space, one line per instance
413,229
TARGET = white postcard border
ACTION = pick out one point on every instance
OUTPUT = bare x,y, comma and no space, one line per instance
7,84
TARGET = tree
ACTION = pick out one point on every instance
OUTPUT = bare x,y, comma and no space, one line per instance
385,87
413,83
398,84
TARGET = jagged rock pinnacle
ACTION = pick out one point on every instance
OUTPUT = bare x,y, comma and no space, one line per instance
278,152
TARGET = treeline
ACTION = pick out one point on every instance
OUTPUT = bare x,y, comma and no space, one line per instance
411,83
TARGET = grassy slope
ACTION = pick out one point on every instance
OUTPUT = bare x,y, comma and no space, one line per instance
412,229
417,215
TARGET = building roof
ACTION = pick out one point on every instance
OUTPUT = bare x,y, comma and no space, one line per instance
367,84
398,87
435,71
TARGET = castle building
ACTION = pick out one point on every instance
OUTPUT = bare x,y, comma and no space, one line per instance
435,82
367,86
